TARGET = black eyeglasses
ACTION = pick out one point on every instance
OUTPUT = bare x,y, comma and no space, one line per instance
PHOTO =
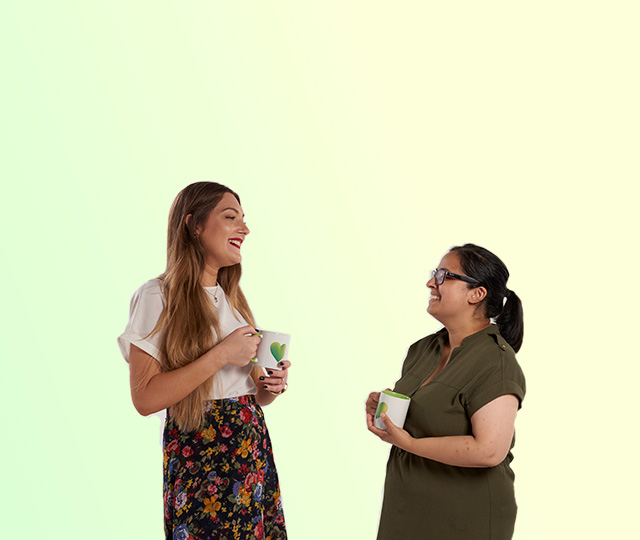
441,274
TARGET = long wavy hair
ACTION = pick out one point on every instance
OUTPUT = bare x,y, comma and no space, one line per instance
501,304
189,325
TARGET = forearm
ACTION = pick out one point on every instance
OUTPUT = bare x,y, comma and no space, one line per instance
459,451
168,388
492,429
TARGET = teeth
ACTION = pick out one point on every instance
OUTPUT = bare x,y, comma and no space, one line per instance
434,297
235,242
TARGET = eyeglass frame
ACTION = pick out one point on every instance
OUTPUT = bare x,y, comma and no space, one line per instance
446,273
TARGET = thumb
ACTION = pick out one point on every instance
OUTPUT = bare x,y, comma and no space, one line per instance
387,422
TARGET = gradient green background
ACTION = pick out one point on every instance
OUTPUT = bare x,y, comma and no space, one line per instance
365,139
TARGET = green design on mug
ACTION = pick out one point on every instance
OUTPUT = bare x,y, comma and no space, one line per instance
277,350
382,408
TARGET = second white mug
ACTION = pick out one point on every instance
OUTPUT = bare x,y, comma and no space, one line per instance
395,406
273,348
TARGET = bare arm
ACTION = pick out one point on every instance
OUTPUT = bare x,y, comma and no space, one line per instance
492,427
153,390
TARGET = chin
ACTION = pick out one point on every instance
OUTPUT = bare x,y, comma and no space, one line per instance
234,259
434,315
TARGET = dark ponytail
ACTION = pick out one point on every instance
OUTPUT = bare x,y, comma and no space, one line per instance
510,321
500,303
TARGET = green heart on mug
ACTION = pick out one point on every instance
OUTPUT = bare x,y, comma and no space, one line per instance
277,350
382,408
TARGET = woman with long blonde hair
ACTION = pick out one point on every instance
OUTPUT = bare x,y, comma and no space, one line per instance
190,342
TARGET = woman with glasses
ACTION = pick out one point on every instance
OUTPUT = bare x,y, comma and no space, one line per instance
190,342
448,474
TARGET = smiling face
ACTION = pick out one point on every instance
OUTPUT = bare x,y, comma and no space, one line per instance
223,232
453,298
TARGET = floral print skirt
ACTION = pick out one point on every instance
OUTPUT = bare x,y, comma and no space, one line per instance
221,482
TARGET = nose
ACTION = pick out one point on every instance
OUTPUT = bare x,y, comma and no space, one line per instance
431,284
245,230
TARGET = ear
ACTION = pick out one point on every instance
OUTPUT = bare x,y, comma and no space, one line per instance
187,220
477,295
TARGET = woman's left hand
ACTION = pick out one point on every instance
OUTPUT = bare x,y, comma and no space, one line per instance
275,380
393,435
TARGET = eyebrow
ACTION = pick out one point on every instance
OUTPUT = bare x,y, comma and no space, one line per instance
232,209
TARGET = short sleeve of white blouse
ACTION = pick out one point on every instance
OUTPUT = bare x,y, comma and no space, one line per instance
146,307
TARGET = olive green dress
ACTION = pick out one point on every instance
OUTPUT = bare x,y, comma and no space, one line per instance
424,499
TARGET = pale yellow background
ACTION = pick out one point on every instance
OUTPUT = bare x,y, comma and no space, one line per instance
366,137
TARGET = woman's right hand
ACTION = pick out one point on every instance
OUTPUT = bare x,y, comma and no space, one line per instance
239,347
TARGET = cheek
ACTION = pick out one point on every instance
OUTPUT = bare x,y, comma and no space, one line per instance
214,244
217,237
453,296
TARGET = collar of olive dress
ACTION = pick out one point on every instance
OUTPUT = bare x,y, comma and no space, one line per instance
491,330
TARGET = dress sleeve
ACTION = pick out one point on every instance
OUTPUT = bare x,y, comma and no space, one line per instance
500,378
146,307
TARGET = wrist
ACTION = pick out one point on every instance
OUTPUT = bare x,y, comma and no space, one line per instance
408,445
217,358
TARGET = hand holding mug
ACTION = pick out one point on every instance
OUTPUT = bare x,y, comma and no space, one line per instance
387,402
391,434
273,350
371,404
275,380
240,346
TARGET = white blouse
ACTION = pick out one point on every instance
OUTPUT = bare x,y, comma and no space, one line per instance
146,307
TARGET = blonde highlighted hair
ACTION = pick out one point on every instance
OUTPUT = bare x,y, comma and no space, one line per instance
189,325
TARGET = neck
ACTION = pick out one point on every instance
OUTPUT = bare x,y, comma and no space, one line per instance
209,277
460,331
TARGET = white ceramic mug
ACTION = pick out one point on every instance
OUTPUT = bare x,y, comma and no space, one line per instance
273,348
395,406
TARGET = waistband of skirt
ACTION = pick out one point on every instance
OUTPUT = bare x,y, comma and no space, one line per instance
230,402
242,399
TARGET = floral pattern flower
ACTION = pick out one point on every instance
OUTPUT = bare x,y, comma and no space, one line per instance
209,434
245,448
246,415
181,533
211,506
